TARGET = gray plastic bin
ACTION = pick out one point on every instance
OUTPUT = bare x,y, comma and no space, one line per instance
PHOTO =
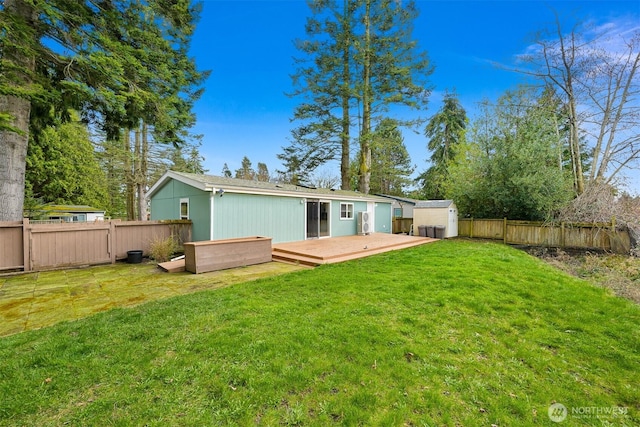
439,230
422,230
430,232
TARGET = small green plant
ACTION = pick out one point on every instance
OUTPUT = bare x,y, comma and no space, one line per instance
161,250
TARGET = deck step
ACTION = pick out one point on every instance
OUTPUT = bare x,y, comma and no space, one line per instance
296,259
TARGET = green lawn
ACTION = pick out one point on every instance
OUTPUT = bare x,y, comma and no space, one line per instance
451,333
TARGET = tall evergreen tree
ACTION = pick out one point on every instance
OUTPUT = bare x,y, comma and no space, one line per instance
325,81
359,59
246,170
445,131
262,174
390,161
121,61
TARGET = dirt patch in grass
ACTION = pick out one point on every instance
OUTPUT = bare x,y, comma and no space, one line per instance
619,273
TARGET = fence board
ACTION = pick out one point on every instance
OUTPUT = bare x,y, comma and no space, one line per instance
481,228
26,246
587,236
402,225
533,234
11,245
61,245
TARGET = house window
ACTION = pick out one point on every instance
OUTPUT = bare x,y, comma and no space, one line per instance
397,212
184,208
346,210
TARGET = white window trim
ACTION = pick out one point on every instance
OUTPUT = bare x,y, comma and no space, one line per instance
185,200
348,211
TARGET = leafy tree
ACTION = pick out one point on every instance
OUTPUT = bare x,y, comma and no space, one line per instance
117,62
508,167
359,59
111,157
62,168
445,131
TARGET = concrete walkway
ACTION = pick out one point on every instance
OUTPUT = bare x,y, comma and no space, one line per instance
35,300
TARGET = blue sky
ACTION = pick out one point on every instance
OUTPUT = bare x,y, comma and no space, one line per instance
248,46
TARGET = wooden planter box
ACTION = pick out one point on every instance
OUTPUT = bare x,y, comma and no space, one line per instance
212,255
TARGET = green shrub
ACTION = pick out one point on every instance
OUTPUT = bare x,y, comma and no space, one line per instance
161,250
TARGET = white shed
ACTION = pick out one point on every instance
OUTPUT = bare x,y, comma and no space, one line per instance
436,213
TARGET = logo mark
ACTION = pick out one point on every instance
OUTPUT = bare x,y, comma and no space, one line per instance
557,412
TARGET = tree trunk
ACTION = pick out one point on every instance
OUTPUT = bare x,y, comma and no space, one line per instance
568,59
574,142
143,173
14,141
128,176
365,135
346,96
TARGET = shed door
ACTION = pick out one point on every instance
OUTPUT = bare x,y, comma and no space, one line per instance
452,227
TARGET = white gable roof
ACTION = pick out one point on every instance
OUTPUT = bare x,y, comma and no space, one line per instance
434,204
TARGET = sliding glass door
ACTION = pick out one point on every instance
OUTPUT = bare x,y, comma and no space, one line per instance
318,219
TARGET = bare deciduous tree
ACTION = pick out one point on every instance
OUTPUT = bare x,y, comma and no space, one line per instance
594,71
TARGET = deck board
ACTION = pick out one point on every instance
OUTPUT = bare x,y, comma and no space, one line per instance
337,249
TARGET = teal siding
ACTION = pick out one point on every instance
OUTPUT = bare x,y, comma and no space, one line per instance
242,215
382,217
345,227
165,204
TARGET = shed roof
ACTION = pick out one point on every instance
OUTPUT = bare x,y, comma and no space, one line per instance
235,185
51,208
434,204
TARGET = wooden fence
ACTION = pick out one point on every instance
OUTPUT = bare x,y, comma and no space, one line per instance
34,247
401,225
563,235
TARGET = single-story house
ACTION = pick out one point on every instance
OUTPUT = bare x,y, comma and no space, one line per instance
225,208
68,213
437,213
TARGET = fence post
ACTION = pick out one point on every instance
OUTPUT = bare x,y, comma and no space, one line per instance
471,229
504,230
612,235
111,241
26,245
562,234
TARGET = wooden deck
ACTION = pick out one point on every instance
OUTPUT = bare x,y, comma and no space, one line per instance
337,249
